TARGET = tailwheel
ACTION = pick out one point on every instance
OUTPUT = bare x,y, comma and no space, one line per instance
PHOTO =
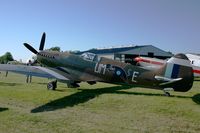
167,94
166,91
52,85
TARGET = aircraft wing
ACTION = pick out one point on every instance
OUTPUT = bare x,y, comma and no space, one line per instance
32,71
60,73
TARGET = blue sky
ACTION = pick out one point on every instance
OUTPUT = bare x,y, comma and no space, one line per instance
172,25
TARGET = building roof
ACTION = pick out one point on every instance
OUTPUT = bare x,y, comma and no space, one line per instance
111,50
147,49
139,50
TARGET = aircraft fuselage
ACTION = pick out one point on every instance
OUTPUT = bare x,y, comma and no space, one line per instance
105,70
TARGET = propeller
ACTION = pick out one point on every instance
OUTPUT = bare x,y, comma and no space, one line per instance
30,48
42,42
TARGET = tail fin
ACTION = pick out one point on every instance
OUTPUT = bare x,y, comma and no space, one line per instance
177,74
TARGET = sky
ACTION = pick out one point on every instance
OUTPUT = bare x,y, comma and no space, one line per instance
171,25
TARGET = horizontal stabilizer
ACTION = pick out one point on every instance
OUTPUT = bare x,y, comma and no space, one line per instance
167,81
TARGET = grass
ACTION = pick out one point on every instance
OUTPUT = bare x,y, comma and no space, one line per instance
102,108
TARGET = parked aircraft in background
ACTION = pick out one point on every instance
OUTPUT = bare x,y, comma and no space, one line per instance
149,63
154,63
195,59
72,69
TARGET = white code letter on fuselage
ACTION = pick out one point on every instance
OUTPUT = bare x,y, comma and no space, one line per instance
100,68
135,74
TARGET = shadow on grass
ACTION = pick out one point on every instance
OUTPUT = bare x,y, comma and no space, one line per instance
3,109
9,84
196,98
77,98
88,94
39,83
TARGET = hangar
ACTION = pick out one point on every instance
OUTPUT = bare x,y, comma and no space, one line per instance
128,53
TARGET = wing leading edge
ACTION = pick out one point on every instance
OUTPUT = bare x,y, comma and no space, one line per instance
32,71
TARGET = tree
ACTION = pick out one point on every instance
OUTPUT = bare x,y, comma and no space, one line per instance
55,49
6,58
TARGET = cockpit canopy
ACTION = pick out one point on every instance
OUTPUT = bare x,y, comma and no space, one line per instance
89,56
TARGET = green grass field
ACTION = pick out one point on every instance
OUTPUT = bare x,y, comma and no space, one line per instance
101,108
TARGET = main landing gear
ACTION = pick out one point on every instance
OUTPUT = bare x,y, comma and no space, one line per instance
52,85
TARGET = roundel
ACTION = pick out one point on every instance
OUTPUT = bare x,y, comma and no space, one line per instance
118,72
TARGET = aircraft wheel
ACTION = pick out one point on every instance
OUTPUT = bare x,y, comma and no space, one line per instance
167,94
52,85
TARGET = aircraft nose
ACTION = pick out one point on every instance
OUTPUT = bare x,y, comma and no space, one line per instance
137,59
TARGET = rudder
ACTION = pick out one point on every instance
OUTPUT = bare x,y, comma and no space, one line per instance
179,70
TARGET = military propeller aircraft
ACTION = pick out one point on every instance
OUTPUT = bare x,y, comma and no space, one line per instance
176,74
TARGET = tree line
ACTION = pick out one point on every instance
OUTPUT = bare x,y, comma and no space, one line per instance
4,59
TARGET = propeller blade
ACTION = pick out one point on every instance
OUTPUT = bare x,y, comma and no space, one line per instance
30,48
42,42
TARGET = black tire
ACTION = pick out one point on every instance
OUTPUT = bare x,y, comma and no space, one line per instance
50,86
167,94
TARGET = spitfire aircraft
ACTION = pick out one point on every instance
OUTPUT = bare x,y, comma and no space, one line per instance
176,74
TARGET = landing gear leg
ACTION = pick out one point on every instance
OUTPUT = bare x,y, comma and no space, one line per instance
52,85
